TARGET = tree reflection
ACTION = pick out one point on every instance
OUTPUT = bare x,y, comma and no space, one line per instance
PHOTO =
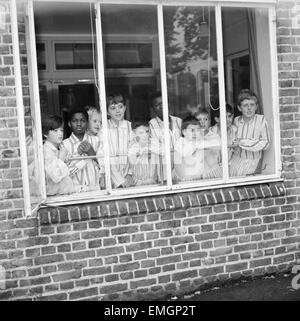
190,57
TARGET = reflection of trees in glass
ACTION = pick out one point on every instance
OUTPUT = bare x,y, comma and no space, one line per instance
189,53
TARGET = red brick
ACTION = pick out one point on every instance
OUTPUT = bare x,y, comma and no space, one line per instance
97,271
109,289
262,262
83,293
236,267
184,275
80,255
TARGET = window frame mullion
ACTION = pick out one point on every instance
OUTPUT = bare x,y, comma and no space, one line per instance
222,95
164,91
102,94
20,107
275,88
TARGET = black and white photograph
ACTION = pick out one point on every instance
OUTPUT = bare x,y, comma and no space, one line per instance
149,153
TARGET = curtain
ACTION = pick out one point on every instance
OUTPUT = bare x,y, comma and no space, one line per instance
255,80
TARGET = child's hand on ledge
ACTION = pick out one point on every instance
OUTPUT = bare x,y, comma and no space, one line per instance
128,181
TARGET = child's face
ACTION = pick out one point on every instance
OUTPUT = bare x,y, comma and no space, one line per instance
55,136
248,108
78,124
94,123
157,106
142,134
192,132
203,121
229,119
116,111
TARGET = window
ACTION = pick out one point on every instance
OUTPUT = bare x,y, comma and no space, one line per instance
163,93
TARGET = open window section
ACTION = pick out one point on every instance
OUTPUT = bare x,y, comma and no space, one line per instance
69,99
246,42
128,98
30,142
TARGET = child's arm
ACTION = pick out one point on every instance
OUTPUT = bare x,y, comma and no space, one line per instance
55,168
257,144
73,165
212,141
133,153
184,148
86,148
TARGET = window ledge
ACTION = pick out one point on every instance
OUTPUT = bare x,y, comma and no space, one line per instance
171,202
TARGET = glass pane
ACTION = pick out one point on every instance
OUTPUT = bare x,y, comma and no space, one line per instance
192,80
128,55
41,56
73,56
135,129
69,99
249,89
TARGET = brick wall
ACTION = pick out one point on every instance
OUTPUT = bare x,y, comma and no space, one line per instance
151,247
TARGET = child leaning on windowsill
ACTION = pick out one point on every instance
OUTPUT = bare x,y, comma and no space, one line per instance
58,175
252,136
87,170
212,152
231,128
143,155
189,152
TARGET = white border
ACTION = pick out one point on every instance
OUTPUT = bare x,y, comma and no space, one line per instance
167,2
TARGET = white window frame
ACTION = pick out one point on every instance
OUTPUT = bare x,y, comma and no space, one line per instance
109,193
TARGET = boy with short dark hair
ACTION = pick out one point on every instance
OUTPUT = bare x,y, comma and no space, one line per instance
87,171
252,136
156,126
189,152
143,155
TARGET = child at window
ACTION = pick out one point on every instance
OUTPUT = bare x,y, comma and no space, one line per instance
58,175
252,136
120,136
86,171
212,168
142,155
94,124
231,129
94,129
156,126
189,152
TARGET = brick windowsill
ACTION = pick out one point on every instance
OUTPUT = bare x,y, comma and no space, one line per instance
96,210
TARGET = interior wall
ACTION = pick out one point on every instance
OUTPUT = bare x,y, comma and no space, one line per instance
234,19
